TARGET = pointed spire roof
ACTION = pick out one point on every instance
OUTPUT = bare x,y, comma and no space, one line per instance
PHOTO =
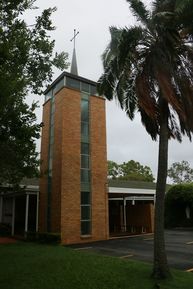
74,67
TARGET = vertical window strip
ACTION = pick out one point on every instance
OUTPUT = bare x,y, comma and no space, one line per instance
85,164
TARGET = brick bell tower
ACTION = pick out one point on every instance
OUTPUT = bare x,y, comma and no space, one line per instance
73,185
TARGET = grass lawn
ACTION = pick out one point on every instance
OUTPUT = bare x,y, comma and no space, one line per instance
34,266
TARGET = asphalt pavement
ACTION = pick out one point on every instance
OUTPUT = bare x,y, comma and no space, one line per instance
179,247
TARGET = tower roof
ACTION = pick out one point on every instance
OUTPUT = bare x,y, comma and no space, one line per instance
74,68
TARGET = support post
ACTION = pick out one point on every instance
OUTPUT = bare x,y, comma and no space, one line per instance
124,214
1,209
26,213
37,211
154,199
13,218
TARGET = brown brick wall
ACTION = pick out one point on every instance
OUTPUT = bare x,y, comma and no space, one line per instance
98,169
70,179
44,167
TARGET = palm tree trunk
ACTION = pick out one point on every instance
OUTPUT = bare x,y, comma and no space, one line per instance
160,266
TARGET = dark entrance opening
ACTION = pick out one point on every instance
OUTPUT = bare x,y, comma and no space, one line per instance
127,217
115,217
20,202
20,214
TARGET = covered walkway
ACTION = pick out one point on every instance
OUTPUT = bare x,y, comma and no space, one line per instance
131,207
19,208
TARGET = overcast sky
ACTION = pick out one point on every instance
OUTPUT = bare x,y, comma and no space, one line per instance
126,140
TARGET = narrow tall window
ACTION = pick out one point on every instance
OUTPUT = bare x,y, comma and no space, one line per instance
85,213
85,167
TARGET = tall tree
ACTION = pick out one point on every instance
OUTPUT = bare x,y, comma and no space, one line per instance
149,69
26,60
130,170
113,170
18,132
181,172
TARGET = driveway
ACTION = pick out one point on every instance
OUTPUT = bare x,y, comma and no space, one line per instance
179,247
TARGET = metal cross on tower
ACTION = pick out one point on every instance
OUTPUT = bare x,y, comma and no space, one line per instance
74,37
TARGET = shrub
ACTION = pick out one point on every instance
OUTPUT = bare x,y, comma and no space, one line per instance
177,199
44,238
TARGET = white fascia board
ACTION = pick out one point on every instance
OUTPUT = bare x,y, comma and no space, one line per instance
136,198
115,190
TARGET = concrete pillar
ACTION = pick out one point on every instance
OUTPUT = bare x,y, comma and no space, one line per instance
154,199
26,213
13,218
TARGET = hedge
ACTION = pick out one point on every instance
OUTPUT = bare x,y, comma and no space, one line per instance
45,237
177,199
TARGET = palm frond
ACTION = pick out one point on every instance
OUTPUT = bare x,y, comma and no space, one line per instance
151,125
139,11
180,5
129,40
186,96
112,48
130,98
118,59
106,84
146,100
161,6
173,125
168,90
184,17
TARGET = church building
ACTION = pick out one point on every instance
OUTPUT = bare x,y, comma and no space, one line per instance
73,197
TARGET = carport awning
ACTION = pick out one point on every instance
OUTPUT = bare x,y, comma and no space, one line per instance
131,191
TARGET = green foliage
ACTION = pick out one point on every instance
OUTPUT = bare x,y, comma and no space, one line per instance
180,172
18,132
177,199
113,170
131,170
26,52
139,10
26,59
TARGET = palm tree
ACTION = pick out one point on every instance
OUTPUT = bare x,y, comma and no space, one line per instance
149,68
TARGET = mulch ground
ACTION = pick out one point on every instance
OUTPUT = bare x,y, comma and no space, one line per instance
7,240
